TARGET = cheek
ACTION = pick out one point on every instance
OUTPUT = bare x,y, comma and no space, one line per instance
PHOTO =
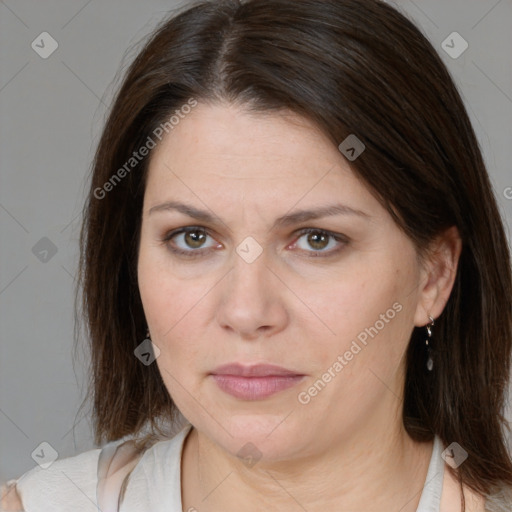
352,305
368,318
166,299
362,364
173,309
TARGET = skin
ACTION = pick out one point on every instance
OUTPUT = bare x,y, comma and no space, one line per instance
295,306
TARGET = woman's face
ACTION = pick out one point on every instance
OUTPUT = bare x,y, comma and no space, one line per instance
248,285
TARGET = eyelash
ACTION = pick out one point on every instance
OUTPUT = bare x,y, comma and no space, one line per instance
199,252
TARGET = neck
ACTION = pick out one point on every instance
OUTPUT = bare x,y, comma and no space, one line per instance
375,469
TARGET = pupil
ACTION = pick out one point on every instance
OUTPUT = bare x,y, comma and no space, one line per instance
196,238
314,240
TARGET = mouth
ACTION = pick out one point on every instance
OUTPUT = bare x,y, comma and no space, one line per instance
254,382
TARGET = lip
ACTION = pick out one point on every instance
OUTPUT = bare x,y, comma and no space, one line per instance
254,382
256,370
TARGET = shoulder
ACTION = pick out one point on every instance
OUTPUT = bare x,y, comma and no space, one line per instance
155,483
72,481
82,481
501,501
9,497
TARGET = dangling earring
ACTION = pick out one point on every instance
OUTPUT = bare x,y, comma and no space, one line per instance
430,360
148,336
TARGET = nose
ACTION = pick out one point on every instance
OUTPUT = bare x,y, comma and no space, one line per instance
252,300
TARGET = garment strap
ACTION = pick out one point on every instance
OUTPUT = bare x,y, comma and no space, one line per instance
115,463
430,500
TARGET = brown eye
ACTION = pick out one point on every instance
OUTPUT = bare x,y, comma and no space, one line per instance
318,240
189,241
194,239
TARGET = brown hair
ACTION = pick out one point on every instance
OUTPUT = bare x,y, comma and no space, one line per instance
352,67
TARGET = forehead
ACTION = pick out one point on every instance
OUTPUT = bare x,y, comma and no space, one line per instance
226,153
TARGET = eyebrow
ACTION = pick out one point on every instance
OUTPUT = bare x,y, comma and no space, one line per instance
295,217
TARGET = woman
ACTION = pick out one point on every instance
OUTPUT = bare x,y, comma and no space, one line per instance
291,238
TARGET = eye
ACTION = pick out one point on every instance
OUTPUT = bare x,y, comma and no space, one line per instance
192,240
318,240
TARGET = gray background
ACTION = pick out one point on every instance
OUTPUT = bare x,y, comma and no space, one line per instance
52,111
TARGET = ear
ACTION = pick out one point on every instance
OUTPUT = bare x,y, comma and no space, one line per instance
438,275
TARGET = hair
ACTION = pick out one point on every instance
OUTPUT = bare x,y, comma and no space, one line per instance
350,67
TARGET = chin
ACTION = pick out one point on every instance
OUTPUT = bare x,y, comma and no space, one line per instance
258,436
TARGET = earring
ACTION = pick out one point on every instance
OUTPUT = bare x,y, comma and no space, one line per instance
430,360
148,336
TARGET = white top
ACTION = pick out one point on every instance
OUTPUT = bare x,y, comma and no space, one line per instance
154,484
